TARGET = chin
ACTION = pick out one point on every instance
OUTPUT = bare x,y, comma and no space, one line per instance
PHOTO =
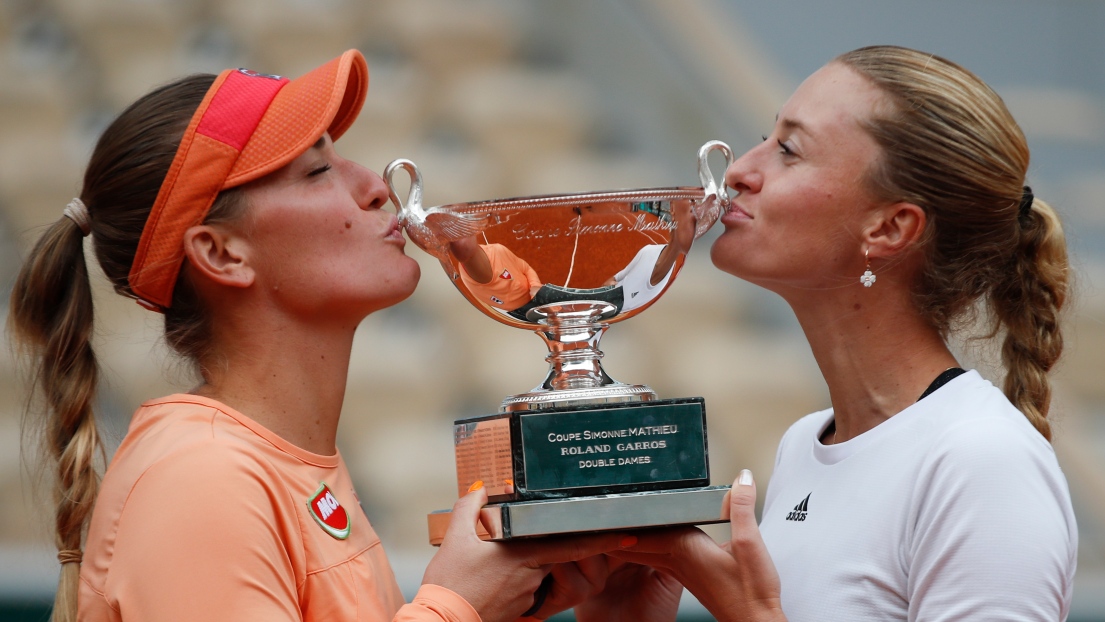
412,280
402,295
734,264
402,287
723,257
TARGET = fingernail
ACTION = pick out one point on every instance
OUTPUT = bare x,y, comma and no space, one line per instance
476,485
745,478
628,541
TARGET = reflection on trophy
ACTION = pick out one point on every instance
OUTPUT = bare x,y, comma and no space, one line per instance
581,451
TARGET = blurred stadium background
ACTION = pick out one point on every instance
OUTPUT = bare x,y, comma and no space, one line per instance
497,98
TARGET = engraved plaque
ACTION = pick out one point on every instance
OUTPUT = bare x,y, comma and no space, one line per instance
615,449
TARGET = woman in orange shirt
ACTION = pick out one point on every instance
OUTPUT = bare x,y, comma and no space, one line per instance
220,202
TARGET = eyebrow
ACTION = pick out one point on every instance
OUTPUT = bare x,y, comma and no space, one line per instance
320,143
793,124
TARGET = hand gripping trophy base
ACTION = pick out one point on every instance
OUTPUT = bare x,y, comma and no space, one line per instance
580,452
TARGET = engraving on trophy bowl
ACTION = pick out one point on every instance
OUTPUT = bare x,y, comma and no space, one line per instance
566,266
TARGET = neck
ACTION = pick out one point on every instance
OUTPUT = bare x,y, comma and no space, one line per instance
286,375
876,352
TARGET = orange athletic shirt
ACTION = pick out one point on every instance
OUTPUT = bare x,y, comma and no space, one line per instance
203,515
513,281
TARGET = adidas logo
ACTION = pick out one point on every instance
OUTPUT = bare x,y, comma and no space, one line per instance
800,510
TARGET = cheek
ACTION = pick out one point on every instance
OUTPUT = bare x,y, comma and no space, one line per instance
321,233
298,247
805,214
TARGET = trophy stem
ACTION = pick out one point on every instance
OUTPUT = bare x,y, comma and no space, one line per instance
572,332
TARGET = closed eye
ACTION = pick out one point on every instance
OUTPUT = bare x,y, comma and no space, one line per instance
786,150
318,171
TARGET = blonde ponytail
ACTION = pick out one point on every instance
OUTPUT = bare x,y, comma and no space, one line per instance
1026,305
51,321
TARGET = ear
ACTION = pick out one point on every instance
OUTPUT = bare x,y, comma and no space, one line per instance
218,255
895,229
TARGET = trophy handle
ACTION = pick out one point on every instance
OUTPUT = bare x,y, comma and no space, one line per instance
414,196
715,201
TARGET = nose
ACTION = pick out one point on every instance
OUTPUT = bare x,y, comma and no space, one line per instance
743,175
371,191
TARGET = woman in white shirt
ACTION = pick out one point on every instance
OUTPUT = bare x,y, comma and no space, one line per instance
889,204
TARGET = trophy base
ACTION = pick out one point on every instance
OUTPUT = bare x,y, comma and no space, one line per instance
549,517
584,451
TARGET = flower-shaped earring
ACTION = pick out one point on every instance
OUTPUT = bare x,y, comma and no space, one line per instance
868,278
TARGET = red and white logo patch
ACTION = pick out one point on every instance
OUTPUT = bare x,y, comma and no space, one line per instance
328,513
505,275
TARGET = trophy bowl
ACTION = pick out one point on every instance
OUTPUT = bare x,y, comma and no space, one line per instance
580,451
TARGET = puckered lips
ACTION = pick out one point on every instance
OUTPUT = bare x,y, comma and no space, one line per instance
735,213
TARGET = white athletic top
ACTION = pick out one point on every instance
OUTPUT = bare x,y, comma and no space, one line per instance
953,509
634,278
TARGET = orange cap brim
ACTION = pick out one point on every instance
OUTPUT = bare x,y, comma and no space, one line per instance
247,126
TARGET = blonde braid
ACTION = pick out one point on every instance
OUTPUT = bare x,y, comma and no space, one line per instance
51,319
1027,304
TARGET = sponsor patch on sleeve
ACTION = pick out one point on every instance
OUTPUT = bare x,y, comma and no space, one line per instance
328,513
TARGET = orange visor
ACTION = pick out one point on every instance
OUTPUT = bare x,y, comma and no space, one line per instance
248,125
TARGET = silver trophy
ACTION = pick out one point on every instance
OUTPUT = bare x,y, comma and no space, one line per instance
580,451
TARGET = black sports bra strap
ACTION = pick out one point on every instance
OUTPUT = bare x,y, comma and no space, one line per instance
942,380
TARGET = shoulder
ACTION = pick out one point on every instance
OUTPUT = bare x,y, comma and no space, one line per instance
976,424
196,512
649,254
988,461
991,520
993,464
502,257
498,252
219,477
214,459
207,498
212,529
185,447
183,438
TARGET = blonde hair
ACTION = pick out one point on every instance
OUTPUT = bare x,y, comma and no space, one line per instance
950,146
51,302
